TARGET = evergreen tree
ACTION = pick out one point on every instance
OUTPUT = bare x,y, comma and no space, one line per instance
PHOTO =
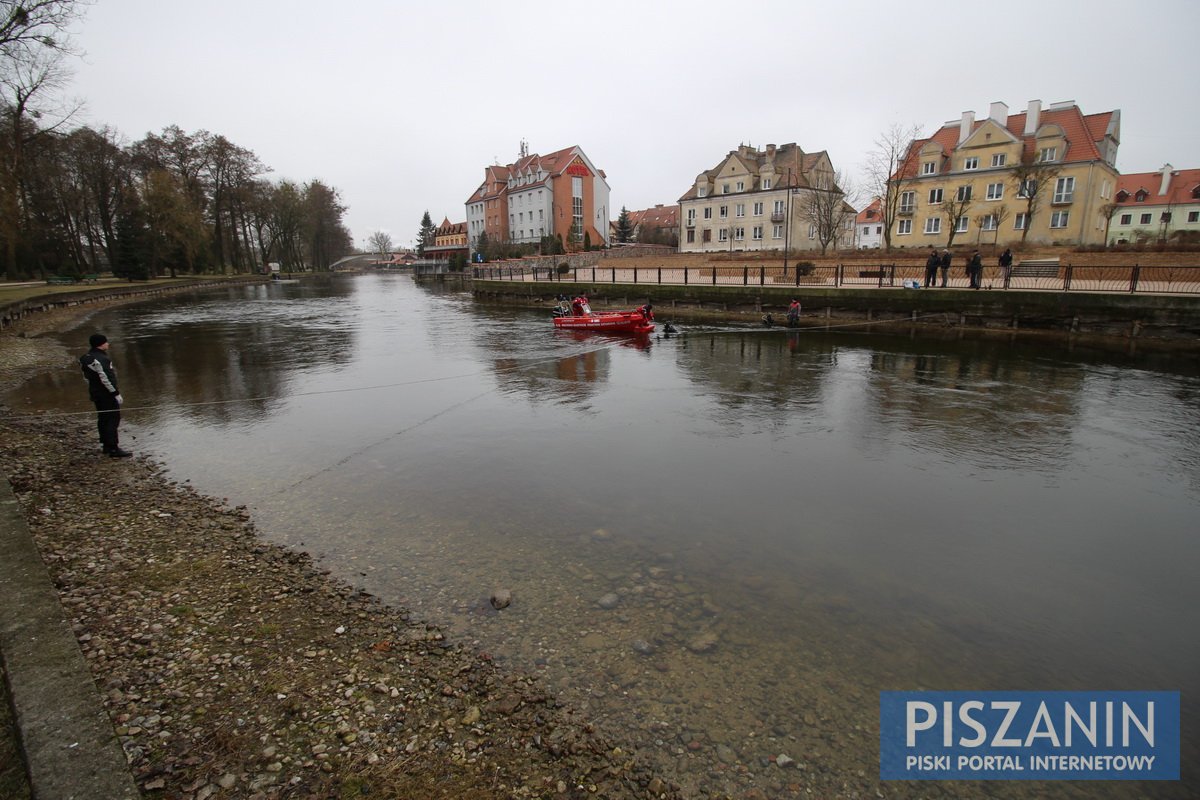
481,246
624,226
425,234
587,241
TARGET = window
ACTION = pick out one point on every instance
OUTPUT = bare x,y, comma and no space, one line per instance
908,202
707,235
989,222
960,226
933,225
1019,222
741,186
756,232
866,230
1048,154
1059,219
935,196
1105,190
723,212
1126,219
1194,216
1166,216
777,232
904,226
929,168
722,235
739,233
1027,188
971,163
879,230
708,213
998,160
1064,190
691,216
995,191
702,193
1145,219
758,208
766,183
691,236
812,231
964,194
740,210
724,188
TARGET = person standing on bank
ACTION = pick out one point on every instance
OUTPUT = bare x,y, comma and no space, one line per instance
945,266
101,378
931,268
975,270
1006,265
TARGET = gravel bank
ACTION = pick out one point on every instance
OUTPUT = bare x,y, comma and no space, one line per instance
232,667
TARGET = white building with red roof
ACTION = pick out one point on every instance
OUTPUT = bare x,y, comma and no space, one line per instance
559,194
1157,206
868,226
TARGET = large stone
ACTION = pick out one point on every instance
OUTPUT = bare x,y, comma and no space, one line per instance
501,598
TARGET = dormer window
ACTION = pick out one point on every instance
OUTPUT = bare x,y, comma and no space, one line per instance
1196,192
741,186
766,183
1122,196
1048,154
724,188
971,163
929,168
702,192
1141,196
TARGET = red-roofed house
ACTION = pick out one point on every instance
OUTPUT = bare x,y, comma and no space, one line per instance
562,193
658,225
965,177
449,239
1154,206
868,226
744,202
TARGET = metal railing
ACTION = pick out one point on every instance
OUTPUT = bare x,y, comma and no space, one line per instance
1135,278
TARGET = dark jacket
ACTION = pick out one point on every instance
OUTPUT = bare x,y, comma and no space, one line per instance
100,373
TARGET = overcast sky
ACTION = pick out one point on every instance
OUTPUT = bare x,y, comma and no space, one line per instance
401,105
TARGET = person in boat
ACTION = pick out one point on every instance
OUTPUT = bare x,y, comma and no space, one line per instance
577,305
647,311
793,314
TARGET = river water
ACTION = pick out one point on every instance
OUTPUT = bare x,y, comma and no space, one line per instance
721,545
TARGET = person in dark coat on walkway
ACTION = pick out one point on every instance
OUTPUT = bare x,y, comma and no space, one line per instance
975,270
945,265
931,267
1006,265
101,377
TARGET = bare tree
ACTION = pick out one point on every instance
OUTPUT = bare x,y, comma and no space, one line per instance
953,207
31,26
999,214
380,243
824,208
1108,211
884,169
1033,176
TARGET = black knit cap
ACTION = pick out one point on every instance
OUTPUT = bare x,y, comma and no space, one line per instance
97,339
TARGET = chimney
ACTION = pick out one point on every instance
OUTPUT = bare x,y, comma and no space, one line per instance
998,113
964,127
770,151
1032,115
1165,186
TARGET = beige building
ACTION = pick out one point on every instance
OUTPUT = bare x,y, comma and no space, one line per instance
1043,176
744,203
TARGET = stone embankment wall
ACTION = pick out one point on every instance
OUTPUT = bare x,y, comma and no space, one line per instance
14,311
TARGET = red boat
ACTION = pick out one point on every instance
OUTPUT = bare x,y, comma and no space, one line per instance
578,316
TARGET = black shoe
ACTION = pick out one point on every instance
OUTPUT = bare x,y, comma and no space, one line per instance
117,452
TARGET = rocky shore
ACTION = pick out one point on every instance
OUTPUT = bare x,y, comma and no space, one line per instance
232,667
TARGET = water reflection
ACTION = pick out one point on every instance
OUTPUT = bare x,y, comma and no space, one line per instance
791,522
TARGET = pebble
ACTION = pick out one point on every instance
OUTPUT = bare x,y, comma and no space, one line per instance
609,601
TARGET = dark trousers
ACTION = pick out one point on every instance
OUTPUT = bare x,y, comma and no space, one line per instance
931,277
108,419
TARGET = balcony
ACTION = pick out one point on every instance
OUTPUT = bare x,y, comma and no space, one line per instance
907,211
691,222
777,216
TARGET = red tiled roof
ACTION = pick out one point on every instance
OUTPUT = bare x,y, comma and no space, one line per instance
658,217
1083,133
1183,183
872,213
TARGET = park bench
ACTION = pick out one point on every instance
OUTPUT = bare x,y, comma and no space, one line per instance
1036,268
89,279
60,280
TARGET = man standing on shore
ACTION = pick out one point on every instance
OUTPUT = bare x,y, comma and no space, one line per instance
101,378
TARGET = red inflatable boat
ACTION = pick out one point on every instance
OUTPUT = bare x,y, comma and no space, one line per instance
580,317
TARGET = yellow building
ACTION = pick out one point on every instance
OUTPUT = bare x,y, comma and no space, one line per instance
1044,176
